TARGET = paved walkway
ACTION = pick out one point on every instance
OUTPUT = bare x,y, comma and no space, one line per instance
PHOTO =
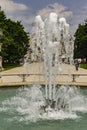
37,68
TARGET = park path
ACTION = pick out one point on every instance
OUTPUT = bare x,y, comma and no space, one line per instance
37,68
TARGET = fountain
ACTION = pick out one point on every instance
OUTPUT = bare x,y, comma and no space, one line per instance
52,38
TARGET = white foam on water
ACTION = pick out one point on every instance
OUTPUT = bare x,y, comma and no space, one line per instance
26,105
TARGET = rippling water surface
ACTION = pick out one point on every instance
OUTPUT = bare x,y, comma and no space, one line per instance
19,110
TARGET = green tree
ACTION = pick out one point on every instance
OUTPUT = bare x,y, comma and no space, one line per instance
15,40
80,48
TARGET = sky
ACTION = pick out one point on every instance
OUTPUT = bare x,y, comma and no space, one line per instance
75,11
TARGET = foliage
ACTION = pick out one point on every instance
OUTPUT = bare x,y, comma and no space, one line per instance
14,40
80,49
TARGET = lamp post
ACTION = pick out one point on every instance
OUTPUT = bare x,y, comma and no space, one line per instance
1,68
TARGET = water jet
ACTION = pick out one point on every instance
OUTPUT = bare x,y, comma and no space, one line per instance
52,37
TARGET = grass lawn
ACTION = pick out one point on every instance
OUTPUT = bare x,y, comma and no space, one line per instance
83,66
7,67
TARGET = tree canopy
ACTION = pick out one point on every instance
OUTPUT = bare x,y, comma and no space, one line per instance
80,48
14,40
